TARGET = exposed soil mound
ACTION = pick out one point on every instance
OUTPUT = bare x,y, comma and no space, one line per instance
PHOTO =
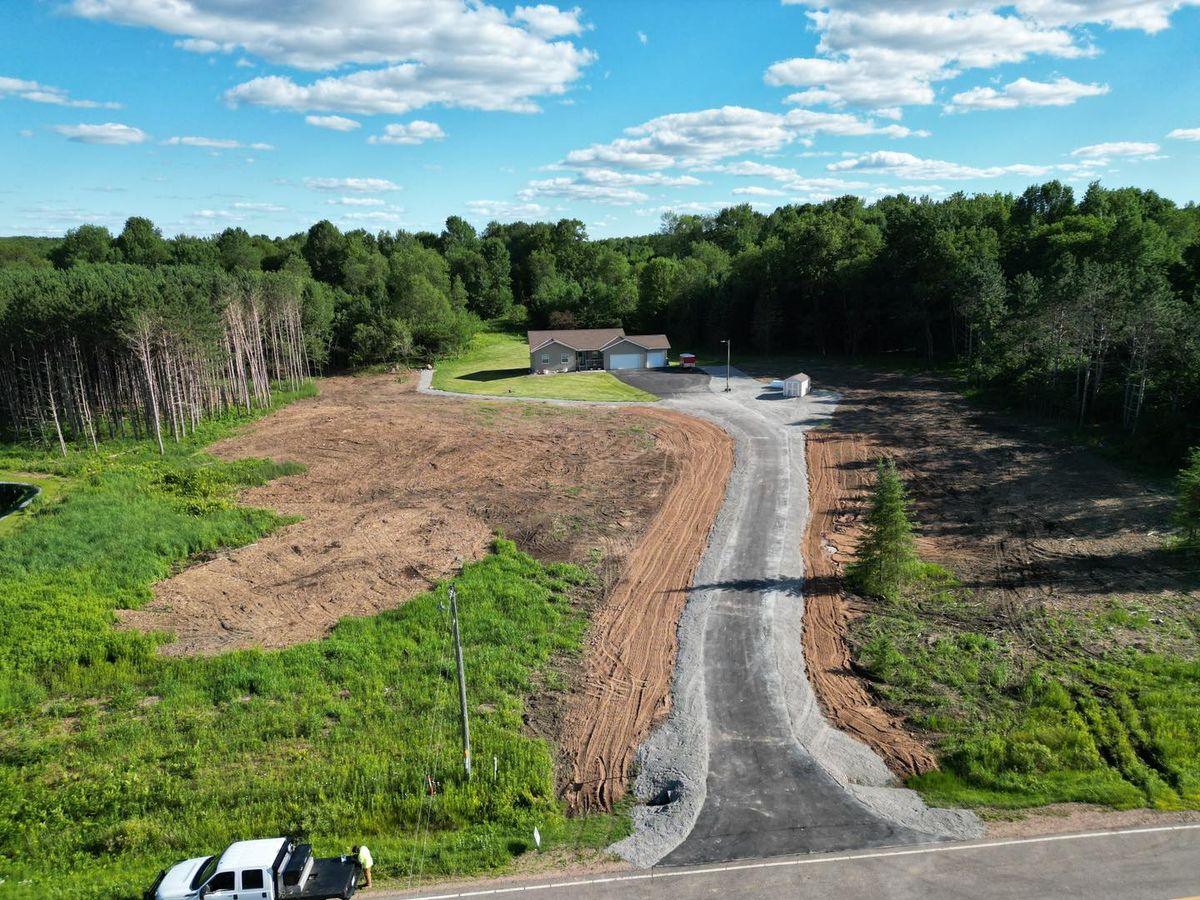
624,689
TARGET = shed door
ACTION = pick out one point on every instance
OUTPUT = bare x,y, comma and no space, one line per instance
656,359
625,361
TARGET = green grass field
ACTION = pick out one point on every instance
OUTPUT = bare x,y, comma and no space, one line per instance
1048,717
499,364
116,761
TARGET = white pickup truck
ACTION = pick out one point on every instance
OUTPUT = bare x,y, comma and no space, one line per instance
270,869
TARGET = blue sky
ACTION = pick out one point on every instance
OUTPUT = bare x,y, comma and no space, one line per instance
387,114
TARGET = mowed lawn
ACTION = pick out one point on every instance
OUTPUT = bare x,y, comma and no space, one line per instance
499,364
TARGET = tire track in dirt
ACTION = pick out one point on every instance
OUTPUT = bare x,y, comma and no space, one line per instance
624,690
839,467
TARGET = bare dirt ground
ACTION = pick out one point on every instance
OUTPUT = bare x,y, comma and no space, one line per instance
625,686
1031,523
838,475
401,489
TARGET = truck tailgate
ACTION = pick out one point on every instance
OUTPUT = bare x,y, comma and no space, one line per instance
332,877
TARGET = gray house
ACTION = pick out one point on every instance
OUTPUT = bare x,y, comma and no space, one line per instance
595,349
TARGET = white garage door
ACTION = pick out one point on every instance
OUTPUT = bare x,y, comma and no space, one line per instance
656,358
625,361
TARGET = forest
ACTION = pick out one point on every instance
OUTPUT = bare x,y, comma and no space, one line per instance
1083,310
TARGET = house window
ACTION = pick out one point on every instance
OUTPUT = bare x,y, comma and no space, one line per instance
545,359
564,359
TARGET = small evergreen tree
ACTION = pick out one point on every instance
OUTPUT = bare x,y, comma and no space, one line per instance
887,553
1187,510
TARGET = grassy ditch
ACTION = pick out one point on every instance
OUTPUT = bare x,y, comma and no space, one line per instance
499,364
116,761
1032,708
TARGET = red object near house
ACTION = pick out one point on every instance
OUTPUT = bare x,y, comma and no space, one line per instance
687,360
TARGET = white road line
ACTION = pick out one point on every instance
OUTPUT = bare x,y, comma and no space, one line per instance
784,863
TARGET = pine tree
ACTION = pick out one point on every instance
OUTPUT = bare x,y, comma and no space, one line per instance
1187,510
887,553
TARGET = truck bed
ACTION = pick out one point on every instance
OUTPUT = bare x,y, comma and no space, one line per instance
330,878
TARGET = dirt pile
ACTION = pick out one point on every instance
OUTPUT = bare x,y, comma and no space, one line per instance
400,490
839,473
624,689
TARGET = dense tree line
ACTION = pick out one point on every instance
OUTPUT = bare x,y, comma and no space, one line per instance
1084,309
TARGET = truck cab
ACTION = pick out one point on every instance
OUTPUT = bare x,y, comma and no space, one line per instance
269,869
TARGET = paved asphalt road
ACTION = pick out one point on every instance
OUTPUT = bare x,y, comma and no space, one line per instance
766,795
1139,864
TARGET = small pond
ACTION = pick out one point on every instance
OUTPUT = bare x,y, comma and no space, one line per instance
15,496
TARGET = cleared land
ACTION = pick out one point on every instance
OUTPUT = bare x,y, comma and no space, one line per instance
400,490
624,689
839,474
1062,665
499,364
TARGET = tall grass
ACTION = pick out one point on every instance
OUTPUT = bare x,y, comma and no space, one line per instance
1035,719
116,761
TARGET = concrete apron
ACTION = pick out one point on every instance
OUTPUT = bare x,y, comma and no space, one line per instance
772,777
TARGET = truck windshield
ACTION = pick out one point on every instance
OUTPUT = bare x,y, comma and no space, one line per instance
204,872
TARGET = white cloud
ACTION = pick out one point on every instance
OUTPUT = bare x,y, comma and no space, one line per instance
880,54
698,207
108,133
1185,134
905,165
576,190
414,132
614,178
1116,148
260,207
336,123
643,38
548,21
393,216
697,138
503,210
1143,15
25,133
1023,92
403,54
358,201
356,185
220,214
36,92
807,121
789,178
756,190
215,143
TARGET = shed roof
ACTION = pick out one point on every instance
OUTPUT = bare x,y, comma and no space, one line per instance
251,854
576,338
799,376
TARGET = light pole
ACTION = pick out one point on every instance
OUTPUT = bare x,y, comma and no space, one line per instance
727,345
462,681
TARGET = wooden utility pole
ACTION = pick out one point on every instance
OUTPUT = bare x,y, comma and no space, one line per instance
462,681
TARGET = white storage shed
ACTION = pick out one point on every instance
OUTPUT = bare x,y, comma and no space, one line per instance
797,385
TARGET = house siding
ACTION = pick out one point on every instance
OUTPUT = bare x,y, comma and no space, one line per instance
555,352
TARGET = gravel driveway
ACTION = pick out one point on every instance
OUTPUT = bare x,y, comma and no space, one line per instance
746,763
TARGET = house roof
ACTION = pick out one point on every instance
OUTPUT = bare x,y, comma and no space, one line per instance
595,339
576,338
650,341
